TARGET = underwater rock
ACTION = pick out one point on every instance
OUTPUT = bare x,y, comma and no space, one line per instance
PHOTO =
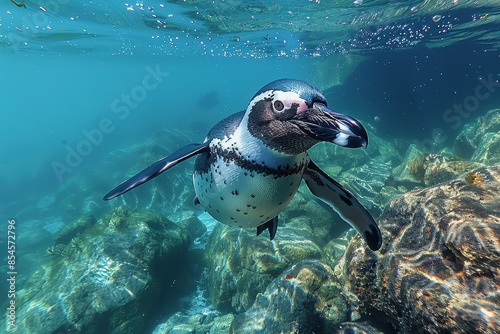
442,168
438,268
107,275
32,239
410,173
92,205
181,323
357,328
80,194
189,220
308,215
33,233
420,169
241,264
480,140
221,324
53,225
304,299
369,183
45,202
488,150
333,251
77,227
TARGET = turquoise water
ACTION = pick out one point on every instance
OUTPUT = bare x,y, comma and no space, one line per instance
90,91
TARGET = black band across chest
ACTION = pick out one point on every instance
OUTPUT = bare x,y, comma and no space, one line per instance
253,166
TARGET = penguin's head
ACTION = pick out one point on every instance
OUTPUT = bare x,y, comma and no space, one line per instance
291,116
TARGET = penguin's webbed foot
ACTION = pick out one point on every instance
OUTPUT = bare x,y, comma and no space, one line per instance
271,225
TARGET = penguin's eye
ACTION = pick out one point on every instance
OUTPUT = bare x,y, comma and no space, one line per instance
278,105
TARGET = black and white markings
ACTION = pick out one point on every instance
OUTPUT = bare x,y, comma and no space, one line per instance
251,163
344,203
240,191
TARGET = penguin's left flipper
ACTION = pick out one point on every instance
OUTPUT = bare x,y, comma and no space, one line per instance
157,168
344,203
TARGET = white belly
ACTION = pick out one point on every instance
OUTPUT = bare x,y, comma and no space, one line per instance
236,197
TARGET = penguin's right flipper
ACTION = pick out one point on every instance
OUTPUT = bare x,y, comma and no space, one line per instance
344,203
157,168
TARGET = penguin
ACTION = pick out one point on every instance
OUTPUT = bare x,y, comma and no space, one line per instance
250,164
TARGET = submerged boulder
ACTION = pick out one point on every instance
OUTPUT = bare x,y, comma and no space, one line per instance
488,151
241,264
304,299
369,183
438,268
309,216
107,275
358,328
411,170
442,168
419,169
480,140
198,323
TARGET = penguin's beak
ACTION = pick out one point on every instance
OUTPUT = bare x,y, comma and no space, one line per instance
322,124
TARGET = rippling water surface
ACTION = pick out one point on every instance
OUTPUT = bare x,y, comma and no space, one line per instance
244,28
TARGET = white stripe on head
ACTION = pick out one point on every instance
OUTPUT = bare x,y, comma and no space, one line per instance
290,98
262,96
250,146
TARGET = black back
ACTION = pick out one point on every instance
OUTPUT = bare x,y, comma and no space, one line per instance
225,127
306,91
